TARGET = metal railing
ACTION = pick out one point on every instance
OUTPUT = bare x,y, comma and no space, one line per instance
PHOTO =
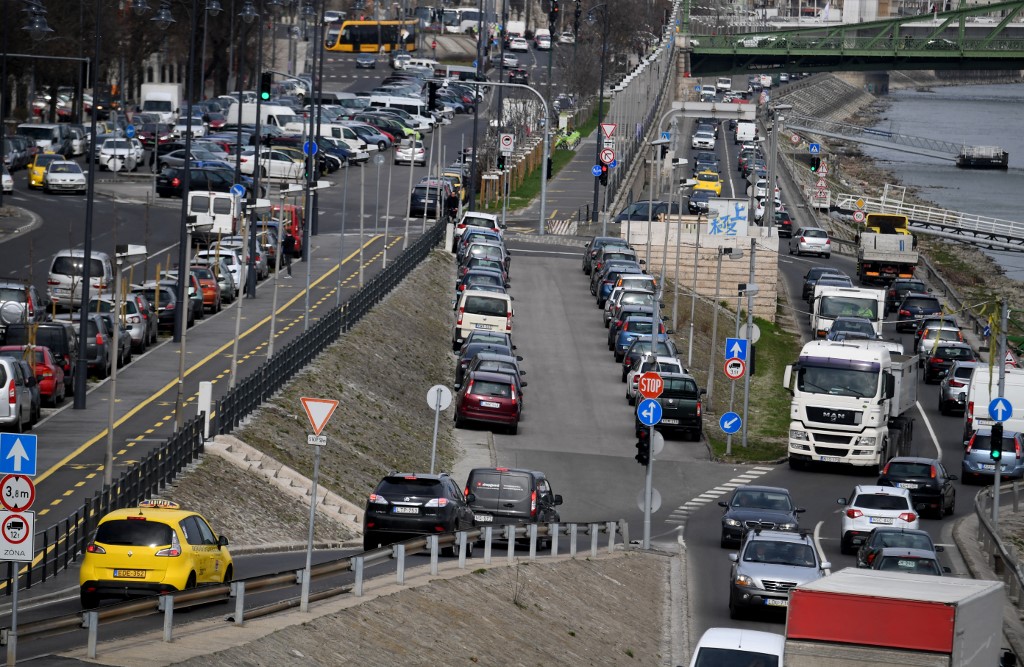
1004,561
457,543
60,544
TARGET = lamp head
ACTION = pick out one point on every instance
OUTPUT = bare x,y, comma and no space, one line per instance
249,13
213,7
163,18
139,7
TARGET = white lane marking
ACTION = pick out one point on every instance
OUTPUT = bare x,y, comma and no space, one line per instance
817,544
931,431
684,510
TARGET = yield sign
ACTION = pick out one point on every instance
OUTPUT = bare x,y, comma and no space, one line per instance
319,410
608,129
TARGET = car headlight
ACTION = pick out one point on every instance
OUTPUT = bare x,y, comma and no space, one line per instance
866,441
795,434
743,580
732,522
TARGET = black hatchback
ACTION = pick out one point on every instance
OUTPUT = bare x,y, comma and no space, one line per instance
915,307
901,287
405,505
930,486
171,181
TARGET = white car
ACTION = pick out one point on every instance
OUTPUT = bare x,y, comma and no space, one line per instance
519,44
181,127
8,182
236,267
567,38
660,364
870,507
241,246
738,646
703,140
405,153
509,60
542,42
117,155
273,164
64,176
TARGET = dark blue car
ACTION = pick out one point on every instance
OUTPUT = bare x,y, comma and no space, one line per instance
607,284
634,327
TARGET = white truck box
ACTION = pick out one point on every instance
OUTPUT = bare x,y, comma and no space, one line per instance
985,387
162,98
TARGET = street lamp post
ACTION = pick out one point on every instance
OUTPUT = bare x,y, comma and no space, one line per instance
191,227
212,8
732,253
777,123
656,144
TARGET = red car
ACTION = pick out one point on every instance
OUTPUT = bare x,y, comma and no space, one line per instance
49,373
490,398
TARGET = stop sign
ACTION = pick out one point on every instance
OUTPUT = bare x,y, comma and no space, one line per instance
650,384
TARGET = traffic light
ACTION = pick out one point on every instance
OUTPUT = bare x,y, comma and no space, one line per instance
551,169
604,174
501,161
266,82
553,14
996,448
643,447
815,163
752,360
432,95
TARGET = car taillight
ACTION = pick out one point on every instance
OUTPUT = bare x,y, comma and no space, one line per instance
94,548
376,499
175,182
459,320
905,313
933,475
853,513
909,517
828,241
803,240
169,306
1016,447
172,551
969,446
437,502
513,394
469,388
12,393
698,408
871,557
935,360
52,282
956,383
508,321
134,319
99,339
533,503
885,470
31,308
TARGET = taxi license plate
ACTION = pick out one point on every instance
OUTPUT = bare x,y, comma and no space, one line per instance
776,602
484,326
398,509
490,404
908,485
830,459
669,421
881,519
130,574
483,518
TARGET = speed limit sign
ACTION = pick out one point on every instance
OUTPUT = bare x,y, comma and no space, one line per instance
858,216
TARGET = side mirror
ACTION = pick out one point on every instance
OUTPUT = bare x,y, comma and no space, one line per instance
952,477
841,501
734,557
524,384
825,565
670,331
558,499
222,541
471,498
524,373
939,548
31,381
703,391
946,569
518,358
722,503
798,510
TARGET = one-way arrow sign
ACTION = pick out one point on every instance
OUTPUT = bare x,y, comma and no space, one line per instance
736,348
17,454
1000,409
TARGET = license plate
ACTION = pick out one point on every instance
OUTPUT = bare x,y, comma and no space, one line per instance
483,518
398,509
669,421
130,574
776,602
988,466
484,326
908,485
830,459
490,404
881,519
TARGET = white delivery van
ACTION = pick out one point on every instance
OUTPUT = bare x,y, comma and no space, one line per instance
347,136
64,286
746,131
985,387
481,311
724,83
416,109
219,209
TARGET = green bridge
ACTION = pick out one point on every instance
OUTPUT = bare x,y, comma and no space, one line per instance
947,40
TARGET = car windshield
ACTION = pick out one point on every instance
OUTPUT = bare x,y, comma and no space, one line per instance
879,501
680,388
923,303
765,500
858,326
732,657
483,279
837,306
133,533
963,372
910,287
906,540
495,484
72,266
836,380
637,299
638,326
935,335
911,564
909,469
482,305
779,553
64,168
813,233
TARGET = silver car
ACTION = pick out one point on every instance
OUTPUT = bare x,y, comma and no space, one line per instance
978,466
769,565
134,321
812,241
955,385
17,415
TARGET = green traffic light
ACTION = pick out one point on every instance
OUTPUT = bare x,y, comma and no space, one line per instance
264,96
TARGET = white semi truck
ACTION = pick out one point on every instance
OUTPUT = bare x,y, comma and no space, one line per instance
851,404
163,99
831,301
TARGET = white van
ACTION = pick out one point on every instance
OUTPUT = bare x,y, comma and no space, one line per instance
481,311
222,210
64,286
347,136
724,84
985,387
746,131
421,62
416,109
55,137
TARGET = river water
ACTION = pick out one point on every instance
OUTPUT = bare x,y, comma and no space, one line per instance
975,115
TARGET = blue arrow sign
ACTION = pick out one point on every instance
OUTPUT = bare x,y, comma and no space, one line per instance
814,149
987,332
736,348
310,148
129,131
238,190
613,164
18,453
666,135
1000,409
730,422
649,412
596,170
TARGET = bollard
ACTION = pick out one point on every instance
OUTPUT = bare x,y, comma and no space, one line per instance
461,537
399,553
611,536
166,605
510,535
432,541
357,564
553,532
238,592
92,621
488,530
572,539
593,540
533,541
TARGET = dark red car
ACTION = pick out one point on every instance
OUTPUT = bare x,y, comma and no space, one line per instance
49,373
489,398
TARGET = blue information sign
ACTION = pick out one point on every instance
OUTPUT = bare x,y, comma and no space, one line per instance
736,348
666,135
814,149
238,190
596,170
649,412
129,131
730,422
310,148
1000,409
18,453
613,164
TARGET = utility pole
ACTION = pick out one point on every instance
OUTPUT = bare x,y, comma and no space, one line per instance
751,293
1004,320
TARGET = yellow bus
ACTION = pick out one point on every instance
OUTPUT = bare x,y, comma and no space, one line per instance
372,36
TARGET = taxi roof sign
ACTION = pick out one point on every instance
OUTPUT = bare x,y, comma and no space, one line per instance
158,503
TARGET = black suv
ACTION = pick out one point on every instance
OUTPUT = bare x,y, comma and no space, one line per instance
915,307
518,75
760,507
931,487
511,496
405,505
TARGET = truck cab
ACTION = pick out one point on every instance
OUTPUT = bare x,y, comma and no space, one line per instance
830,302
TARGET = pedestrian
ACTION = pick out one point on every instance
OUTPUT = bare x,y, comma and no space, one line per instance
288,250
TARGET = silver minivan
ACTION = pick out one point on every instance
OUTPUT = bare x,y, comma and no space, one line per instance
16,406
64,286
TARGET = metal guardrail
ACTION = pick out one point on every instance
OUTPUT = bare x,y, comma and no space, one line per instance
457,542
60,544
1003,561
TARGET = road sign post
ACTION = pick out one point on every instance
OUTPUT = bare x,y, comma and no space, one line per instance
17,527
439,397
319,411
1000,409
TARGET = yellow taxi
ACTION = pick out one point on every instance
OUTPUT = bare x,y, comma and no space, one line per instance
37,168
456,179
709,180
154,548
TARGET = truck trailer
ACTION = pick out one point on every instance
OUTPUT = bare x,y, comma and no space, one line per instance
883,257
851,404
855,617
163,99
